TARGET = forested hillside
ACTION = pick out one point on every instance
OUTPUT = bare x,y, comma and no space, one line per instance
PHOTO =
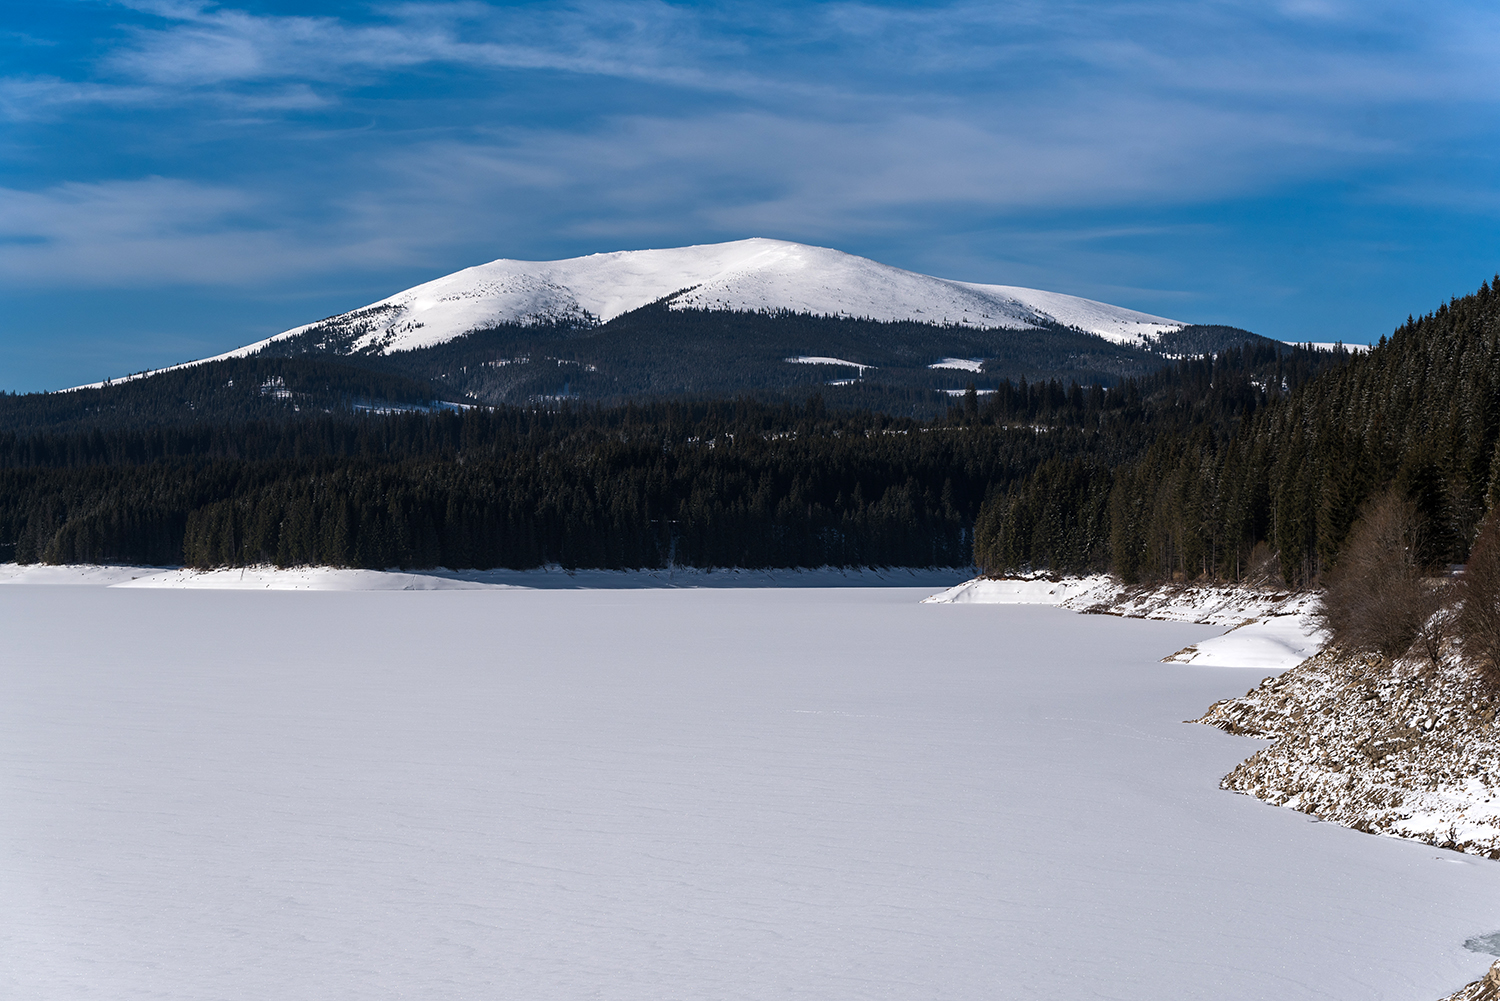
653,353
215,394
739,483
1420,411
708,485
657,352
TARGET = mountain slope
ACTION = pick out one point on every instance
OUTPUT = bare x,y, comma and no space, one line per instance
746,275
749,317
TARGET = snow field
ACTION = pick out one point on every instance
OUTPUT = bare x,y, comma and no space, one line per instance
731,793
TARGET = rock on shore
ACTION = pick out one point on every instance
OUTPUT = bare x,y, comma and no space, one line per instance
1404,748
1487,988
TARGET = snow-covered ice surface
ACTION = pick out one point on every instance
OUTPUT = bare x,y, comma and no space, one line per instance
1271,630
747,275
701,793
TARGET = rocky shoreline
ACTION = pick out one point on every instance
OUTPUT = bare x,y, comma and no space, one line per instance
1403,748
1486,988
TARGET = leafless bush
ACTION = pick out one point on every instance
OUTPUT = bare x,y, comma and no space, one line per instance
1375,597
1478,622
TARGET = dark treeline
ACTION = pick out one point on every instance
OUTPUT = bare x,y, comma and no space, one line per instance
739,484
1218,389
1281,486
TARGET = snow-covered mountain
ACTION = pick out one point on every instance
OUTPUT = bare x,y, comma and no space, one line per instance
755,274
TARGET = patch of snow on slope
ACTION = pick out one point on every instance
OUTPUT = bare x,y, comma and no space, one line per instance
962,364
821,360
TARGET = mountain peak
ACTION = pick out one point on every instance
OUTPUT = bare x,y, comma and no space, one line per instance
751,275
743,275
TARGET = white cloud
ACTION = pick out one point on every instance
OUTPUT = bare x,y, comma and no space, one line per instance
813,122
163,231
208,47
753,171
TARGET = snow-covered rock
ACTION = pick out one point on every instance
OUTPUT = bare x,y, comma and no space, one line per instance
1406,749
1487,988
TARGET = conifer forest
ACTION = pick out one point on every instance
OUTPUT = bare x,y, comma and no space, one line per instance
1251,460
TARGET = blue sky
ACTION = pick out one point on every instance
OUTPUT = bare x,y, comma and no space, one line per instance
180,178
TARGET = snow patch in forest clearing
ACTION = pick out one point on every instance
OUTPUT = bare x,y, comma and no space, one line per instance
824,360
963,364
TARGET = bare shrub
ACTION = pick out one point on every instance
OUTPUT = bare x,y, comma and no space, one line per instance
1478,621
1375,597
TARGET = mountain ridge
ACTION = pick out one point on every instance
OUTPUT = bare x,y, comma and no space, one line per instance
751,275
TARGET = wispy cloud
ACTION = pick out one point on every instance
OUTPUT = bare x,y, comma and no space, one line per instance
1323,51
166,231
202,143
204,46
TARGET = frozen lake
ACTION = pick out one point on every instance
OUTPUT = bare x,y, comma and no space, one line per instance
755,793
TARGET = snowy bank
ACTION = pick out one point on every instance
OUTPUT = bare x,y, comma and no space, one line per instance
1069,592
1270,630
542,578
